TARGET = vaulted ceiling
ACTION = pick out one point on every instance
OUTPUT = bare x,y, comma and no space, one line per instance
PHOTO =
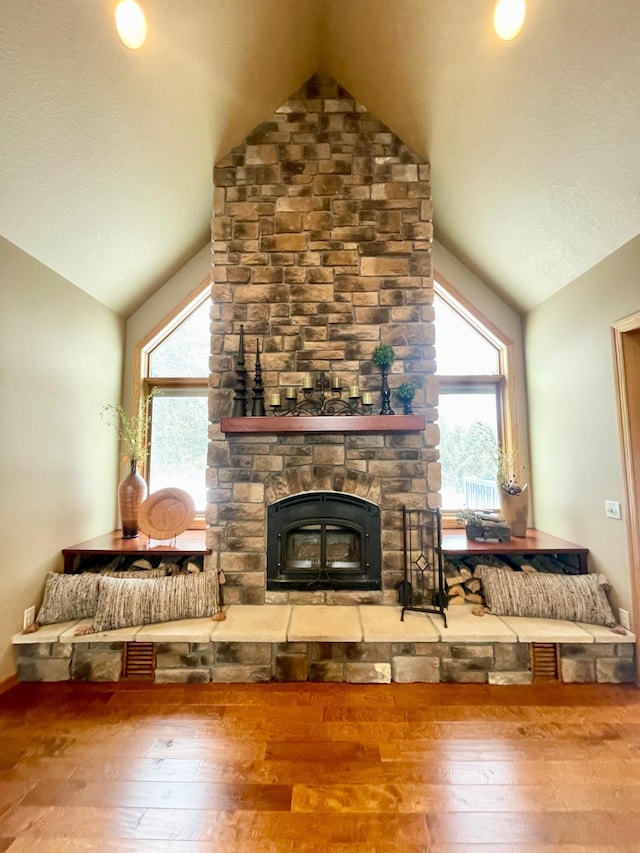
107,154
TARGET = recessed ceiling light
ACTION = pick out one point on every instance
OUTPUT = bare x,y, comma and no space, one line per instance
131,24
508,18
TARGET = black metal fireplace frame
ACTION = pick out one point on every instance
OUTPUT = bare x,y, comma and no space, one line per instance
351,512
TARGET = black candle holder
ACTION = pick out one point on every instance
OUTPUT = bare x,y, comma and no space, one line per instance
257,408
323,399
240,399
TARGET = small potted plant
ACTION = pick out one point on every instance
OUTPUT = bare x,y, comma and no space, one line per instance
405,393
384,356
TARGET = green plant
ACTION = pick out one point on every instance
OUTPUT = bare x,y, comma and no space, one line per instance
131,429
383,355
406,392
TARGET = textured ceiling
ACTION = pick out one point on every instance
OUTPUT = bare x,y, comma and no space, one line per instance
107,154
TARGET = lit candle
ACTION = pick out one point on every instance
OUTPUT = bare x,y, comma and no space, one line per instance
335,383
307,383
275,400
354,392
291,393
367,398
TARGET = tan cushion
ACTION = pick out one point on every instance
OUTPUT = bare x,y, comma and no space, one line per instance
125,603
68,597
576,598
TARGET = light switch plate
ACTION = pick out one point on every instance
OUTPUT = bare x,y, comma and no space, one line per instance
612,509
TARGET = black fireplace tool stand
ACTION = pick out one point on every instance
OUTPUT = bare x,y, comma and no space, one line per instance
422,587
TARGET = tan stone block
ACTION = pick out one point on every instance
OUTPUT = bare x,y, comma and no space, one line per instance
248,492
246,231
368,673
353,233
320,275
389,191
327,184
343,258
219,201
381,266
259,293
293,203
238,275
284,243
419,190
328,455
259,154
288,221
221,227
267,275
243,210
434,476
322,292
406,670
318,220
310,259
267,174
404,172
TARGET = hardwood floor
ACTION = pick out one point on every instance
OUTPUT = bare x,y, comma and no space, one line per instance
319,767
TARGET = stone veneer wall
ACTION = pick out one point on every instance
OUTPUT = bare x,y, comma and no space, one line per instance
363,663
322,250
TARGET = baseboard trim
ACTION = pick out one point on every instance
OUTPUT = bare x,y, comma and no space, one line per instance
8,683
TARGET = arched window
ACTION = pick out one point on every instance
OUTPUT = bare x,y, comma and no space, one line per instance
473,407
174,366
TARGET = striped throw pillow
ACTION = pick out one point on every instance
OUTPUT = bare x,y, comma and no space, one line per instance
68,597
575,598
126,603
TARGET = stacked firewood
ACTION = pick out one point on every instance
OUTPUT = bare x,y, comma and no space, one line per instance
463,584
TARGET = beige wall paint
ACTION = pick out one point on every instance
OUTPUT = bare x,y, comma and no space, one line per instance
575,444
61,361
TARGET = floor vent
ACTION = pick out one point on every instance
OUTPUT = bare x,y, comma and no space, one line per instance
139,662
544,661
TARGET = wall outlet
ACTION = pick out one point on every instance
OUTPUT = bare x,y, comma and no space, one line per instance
29,618
612,509
623,619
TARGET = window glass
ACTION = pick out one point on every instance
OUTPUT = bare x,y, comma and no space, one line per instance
178,458
185,352
468,435
461,349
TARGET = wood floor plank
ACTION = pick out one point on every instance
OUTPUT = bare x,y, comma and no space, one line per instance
319,767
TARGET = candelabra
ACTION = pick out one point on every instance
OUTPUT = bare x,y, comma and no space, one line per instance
321,397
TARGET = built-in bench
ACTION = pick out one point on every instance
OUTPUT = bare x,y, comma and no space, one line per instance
358,644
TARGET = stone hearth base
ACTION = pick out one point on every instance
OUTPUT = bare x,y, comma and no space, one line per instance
351,644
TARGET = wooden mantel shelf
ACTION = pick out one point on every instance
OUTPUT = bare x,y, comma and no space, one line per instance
340,424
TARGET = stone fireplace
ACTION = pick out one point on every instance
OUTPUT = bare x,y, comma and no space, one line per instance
321,251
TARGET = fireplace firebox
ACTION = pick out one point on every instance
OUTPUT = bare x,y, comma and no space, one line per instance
323,540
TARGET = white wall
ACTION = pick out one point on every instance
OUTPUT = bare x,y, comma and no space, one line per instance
61,361
575,445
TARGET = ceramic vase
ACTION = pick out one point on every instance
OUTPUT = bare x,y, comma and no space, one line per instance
515,510
131,492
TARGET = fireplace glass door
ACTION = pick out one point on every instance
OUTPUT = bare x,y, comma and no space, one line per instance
323,550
